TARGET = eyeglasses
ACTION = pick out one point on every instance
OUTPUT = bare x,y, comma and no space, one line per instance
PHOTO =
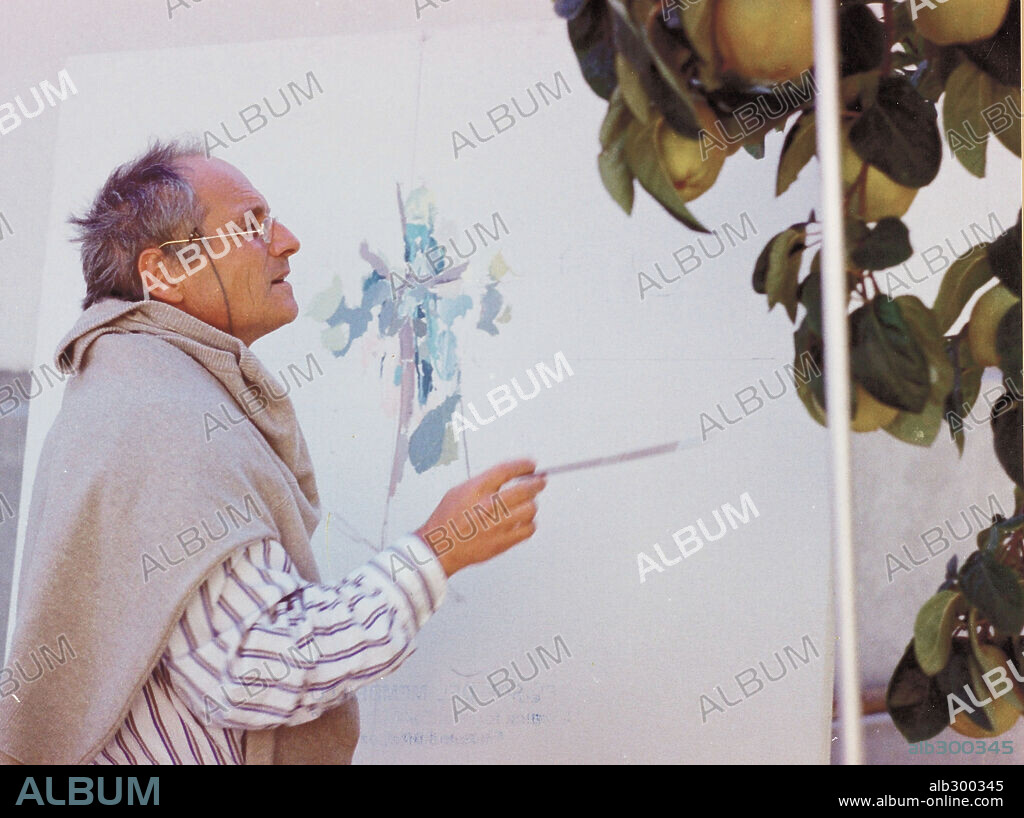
264,231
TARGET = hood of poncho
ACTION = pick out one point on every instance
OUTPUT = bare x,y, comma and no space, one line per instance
173,448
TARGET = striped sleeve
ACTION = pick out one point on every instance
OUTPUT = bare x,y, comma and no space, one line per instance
259,647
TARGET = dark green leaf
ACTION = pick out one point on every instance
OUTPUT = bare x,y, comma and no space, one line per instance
964,391
861,39
915,703
1004,257
1012,648
1000,54
925,329
921,428
899,135
956,676
590,33
810,295
1008,437
885,358
994,590
885,246
668,49
761,267
933,72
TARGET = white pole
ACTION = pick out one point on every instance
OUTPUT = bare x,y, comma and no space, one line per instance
837,367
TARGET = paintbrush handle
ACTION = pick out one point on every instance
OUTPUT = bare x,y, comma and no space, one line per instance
636,454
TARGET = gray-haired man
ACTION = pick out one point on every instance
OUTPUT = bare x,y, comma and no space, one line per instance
225,646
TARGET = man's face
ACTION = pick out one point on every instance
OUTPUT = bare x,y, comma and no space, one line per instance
249,269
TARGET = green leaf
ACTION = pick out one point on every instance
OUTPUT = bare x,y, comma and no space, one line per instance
616,120
964,391
797,150
963,278
967,92
644,162
918,428
914,701
590,33
1004,257
783,269
755,149
1006,127
671,99
616,176
884,247
885,358
611,162
933,630
810,389
1008,344
899,135
632,91
994,590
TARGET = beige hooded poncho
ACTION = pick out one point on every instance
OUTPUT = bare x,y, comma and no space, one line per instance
129,463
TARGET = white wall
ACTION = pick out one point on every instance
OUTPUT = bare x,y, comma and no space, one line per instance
642,654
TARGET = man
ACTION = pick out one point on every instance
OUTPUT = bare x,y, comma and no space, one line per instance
173,569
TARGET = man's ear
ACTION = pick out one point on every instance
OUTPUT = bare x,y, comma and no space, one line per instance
161,283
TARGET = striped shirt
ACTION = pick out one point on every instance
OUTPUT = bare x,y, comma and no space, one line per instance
259,647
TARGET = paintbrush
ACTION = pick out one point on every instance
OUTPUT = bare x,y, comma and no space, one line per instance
636,454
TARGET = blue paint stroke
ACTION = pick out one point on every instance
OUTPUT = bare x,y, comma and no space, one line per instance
426,442
490,306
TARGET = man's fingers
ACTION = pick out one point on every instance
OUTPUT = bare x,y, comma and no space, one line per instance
523,532
493,479
524,490
521,514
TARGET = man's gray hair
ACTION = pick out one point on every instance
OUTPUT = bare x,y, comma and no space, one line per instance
143,203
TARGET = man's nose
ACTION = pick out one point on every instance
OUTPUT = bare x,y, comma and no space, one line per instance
285,242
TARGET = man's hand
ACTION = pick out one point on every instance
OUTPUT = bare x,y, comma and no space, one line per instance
479,519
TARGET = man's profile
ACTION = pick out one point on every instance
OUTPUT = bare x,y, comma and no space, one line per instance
176,567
